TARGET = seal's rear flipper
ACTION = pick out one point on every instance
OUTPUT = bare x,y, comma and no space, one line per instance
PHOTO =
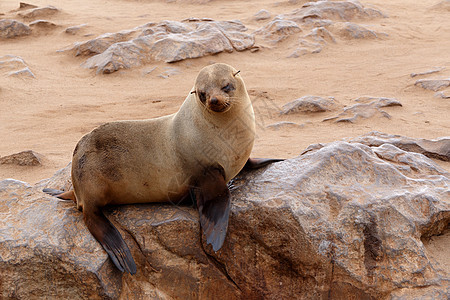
111,240
69,195
255,163
213,202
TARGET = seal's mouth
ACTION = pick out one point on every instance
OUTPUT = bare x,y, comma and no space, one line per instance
217,105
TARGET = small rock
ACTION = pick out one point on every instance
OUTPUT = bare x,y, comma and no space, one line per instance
40,12
309,104
436,70
284,124
25,72
278,30
74,29
23,5
442,95
262,15
169,72
369,107
15,66
42,24
24,158
354,31
433,84
12,28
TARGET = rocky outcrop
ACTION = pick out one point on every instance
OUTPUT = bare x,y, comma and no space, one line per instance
367,108
167,41
317,23
341,220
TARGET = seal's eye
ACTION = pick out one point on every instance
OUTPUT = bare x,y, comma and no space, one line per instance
228,88
202,96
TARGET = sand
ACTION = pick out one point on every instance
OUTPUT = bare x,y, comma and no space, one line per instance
50,113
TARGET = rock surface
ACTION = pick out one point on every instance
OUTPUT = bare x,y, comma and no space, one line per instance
341,220
437,149
369,107
12,28
167,41
24,158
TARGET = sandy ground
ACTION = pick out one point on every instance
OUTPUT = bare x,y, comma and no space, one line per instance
51,113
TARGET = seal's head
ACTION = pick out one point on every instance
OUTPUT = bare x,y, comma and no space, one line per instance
216,87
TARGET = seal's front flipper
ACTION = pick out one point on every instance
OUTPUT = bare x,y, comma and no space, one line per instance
255,163
111,240
69,195
213,203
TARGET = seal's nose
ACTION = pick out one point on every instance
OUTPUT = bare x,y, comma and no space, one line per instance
214,101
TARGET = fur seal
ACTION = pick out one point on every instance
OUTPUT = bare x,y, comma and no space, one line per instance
190,154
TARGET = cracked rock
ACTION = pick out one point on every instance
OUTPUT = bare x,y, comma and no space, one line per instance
341,220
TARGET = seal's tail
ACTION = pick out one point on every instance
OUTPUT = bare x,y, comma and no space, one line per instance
69,195
111,240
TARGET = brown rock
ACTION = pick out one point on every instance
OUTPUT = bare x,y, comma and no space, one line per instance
369,107
342,220
24,158
433,84
12,28
309,104
39,12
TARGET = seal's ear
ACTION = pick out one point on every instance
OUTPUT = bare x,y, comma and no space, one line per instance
213,203
193,92
236,73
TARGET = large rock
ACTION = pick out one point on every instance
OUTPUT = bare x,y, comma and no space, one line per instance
341,220
167,41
